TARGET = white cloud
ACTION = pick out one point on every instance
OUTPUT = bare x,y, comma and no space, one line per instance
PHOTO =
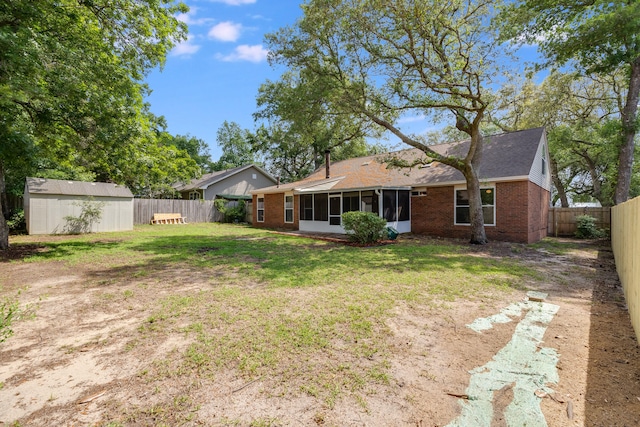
185,48
226,31
235,2
410,119
255,53
189,18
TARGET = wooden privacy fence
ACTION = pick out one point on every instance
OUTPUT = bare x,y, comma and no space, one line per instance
562,221
625,241
192,210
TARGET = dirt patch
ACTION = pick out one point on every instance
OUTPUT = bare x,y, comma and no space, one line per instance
80,360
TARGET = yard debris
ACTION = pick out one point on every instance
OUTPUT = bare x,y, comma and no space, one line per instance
247,385
542,394
91,398
461,396
570,409
537,296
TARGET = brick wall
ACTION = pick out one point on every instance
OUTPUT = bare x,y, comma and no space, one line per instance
520,213
539,200
522,210
274,212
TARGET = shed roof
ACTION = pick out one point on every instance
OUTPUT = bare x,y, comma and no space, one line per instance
76,188
505,156
209,179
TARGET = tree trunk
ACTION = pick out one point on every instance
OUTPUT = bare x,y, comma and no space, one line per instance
4,227
562,194
625,154
478,234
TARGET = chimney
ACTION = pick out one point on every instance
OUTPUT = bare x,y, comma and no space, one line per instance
327,162
278,183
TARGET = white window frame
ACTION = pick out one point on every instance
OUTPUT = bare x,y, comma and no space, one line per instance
483,187
289,208
544,160
260,207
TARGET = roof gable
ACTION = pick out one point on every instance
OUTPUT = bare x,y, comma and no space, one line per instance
209,179
76,188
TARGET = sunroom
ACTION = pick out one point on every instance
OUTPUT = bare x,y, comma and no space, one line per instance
322,211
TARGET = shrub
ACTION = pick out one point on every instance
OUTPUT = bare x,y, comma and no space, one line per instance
586,228
90,213
235,213
17,223
364,227
9,311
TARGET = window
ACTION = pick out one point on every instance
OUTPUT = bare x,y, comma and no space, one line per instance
321,207
462,213
194,195
544,161
369,202
306,207
260,209
254,176
389,199
288,208
395,205
334,209
351,201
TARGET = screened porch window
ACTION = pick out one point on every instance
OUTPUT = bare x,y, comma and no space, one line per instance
395,205
306,207
369,202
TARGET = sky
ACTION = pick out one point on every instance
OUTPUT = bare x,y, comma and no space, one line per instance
214,76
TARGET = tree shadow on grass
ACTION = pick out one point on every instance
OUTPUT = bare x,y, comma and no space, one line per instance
52,251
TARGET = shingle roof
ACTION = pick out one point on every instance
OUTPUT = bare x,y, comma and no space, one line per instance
76,188
211,178
504,156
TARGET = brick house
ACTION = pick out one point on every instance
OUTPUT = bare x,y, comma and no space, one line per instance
514,179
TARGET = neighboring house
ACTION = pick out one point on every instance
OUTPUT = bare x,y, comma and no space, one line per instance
231,184
49,203
431,200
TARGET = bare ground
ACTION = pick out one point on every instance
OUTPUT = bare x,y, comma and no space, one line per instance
77,361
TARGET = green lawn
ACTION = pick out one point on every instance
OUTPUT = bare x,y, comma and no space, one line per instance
307,315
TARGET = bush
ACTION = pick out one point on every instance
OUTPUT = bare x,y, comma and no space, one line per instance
90,213
236,213
364,227
17,223
587,228
9,311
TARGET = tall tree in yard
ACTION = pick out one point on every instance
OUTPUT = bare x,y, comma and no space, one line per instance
304,119
599,37
385,59
581,115
71,76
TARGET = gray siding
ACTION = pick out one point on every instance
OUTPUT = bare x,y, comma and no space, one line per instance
536,176
241,183
45,213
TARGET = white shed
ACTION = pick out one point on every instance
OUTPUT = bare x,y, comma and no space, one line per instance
49,203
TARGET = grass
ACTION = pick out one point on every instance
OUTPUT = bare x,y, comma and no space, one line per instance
287,310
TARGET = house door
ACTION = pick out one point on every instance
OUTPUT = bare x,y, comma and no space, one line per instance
334,209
